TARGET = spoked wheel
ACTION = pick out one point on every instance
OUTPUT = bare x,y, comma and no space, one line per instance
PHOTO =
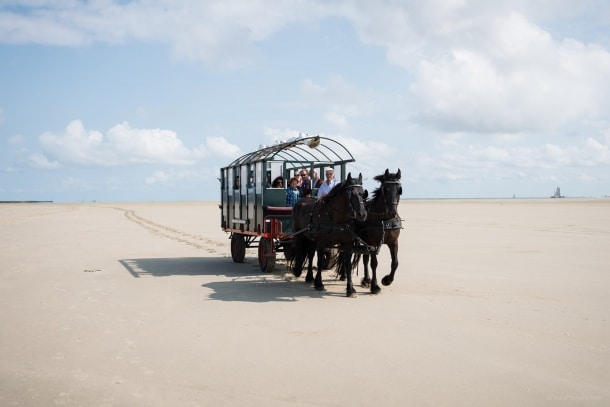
238,248
266,255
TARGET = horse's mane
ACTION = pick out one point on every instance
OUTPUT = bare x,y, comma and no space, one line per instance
386,176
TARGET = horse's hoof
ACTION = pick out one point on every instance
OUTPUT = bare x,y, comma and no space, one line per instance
375,289
365,283
309,279
386,280
352,294
297,274
320,288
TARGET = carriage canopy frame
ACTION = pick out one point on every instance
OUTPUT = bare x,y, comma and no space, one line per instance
316,149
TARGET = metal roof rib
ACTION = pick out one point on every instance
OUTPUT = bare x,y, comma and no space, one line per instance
327,151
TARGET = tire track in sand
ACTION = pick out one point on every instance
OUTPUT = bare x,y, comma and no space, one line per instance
200,242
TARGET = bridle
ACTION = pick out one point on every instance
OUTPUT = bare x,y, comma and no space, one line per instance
350,194
388,201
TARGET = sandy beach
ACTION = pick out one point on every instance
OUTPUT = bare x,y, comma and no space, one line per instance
495,302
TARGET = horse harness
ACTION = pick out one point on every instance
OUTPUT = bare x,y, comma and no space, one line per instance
383,224
317,227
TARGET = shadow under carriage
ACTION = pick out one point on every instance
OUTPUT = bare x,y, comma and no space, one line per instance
244,284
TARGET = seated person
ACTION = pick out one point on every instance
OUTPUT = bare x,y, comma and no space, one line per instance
315,180
278,182
305,180
328,184
292,192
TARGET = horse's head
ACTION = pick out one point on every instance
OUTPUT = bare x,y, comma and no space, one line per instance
390,191
356,195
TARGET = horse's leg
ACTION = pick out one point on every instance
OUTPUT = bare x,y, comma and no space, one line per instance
388,279
347,263
375,289
318,284
366,281
311,251
299,256
340,266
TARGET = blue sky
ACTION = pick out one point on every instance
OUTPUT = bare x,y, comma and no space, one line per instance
146,100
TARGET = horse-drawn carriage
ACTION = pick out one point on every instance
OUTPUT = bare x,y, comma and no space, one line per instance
254,212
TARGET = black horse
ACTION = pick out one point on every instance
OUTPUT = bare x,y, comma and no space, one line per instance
328,222
382,226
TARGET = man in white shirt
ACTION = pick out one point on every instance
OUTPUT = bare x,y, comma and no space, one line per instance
328,184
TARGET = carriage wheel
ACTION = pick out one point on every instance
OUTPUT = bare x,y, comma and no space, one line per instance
238,248
266,255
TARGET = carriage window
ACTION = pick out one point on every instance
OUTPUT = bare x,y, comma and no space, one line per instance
251,179
258,175
275,172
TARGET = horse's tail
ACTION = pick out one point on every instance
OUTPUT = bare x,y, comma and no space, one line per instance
340,271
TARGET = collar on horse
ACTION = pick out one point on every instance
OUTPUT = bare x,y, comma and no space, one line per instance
315,226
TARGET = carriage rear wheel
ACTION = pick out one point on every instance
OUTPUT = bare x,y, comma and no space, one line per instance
266,255
238,248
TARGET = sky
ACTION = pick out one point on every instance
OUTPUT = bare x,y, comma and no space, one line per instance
117,100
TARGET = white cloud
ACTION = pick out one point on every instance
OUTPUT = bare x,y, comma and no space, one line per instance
71,183
336,119
597,152
158,177
41,162
485,67
151,146
470,159
219,146
273,135
519,82
170,177
122,145
220,33
16,140
497,89
476,66
337,95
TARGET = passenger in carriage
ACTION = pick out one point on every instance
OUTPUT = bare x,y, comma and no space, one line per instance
278,182
315,180
305,181
292,192
328,184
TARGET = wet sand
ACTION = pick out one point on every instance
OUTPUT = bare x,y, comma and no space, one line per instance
495,302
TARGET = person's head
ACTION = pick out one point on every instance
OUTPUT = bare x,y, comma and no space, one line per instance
294,181
330,173
278,182
304,173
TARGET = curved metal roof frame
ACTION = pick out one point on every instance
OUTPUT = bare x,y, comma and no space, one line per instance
314,149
